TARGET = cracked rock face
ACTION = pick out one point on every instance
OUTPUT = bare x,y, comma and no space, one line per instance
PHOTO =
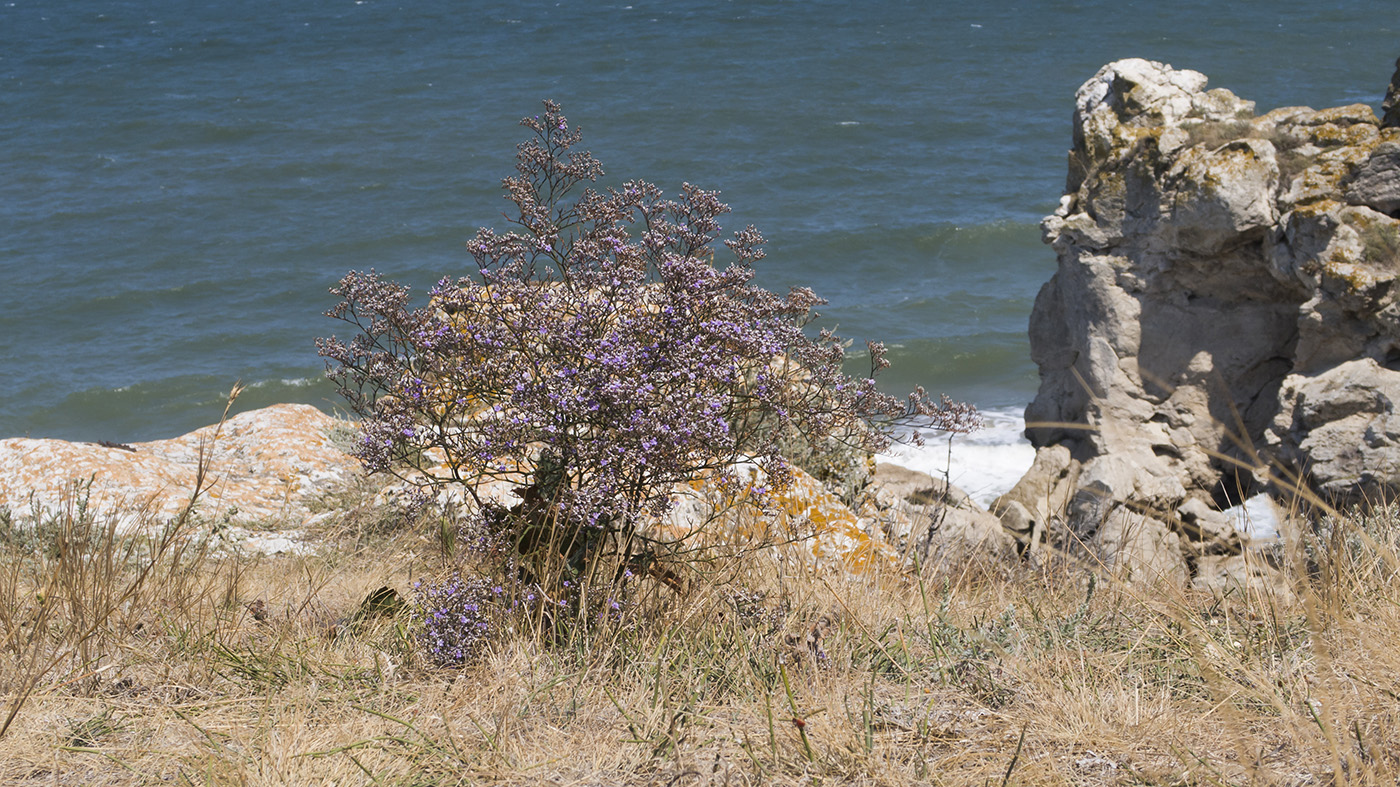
1225,295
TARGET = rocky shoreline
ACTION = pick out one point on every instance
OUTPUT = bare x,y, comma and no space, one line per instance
1224,320
272,468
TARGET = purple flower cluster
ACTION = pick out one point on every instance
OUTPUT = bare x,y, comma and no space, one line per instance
458,618
603,337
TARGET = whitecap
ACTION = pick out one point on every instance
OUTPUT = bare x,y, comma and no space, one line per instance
984,464
290,382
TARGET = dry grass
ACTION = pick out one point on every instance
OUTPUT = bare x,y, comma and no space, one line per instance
128,662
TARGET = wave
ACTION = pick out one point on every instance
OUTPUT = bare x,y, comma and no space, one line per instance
985,464
287,382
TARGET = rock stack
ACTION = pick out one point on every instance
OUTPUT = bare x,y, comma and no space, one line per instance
1224,318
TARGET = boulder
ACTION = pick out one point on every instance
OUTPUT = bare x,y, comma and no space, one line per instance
895,485
1039,499
826,528
1343,425
1206,530
1225,297
801,521
1251,574
1139,548
1376,183
266,467
903,517
930,521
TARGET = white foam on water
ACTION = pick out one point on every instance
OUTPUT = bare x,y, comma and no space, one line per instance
984,464
988,462
290,382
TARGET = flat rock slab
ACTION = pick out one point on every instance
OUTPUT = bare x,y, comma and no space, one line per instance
266,466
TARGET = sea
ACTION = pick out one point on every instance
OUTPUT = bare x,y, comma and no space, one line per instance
181,182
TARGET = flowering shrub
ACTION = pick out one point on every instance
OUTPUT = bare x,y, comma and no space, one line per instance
604,352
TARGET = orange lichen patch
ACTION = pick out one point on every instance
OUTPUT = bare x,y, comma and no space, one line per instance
1230,162
1317,208
1351,114
803,515
1357,278
1363,253
1331,135
267,464
836,532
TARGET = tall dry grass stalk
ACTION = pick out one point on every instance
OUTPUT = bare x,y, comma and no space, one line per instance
63,607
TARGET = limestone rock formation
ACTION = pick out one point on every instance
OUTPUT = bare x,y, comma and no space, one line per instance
266,466
1226,296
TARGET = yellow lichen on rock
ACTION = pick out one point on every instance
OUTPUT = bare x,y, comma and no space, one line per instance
801,519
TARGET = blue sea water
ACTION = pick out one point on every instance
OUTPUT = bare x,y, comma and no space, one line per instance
181,182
